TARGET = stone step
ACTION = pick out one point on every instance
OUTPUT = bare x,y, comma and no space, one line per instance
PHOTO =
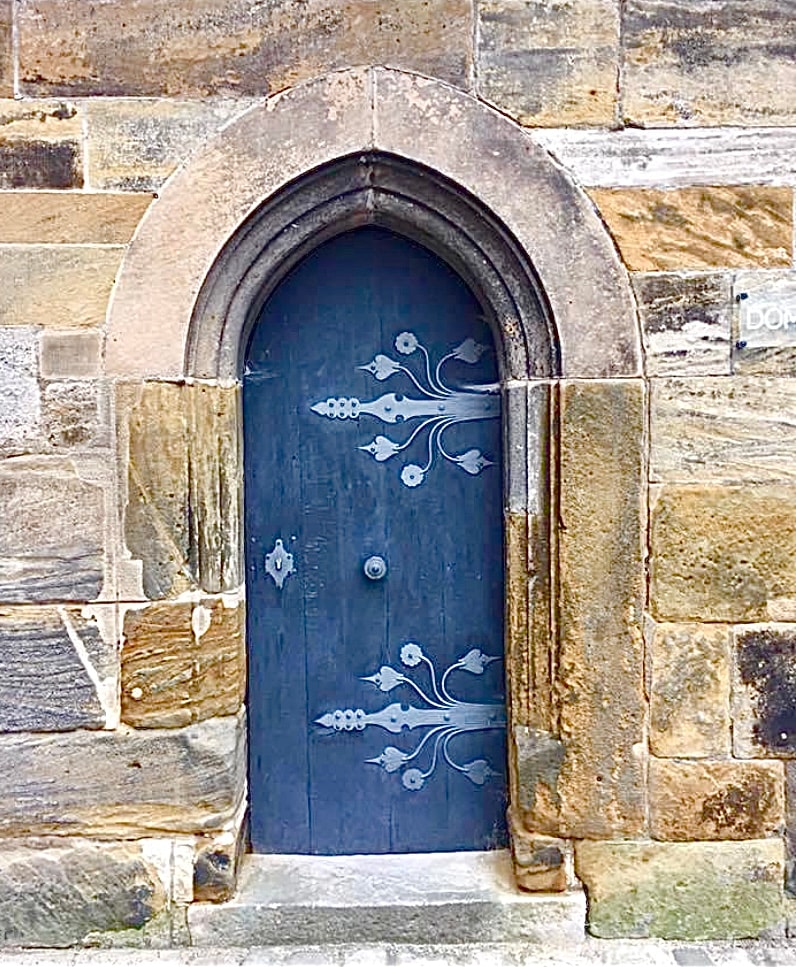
428,898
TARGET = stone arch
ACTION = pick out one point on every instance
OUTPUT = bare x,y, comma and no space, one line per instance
342,114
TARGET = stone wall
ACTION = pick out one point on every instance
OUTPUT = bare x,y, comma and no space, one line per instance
121,700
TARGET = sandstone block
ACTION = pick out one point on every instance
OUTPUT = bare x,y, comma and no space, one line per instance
216,863
723,553
689,690
181,518
123,783
736,429
538,860
40,145
699,228
6,50
601,595
56,288
774,351
549,63
715,800
20,408
74,415
764,691
705,63
199,48
51,536
790,843
70,217
70,355
686,322
57,673
134,145
57,892
182,663
723,890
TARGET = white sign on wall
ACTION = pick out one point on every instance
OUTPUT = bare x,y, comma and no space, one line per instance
766,311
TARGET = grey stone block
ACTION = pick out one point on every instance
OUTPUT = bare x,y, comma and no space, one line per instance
19,389
51,536
183,780
432,898
48,670
56,893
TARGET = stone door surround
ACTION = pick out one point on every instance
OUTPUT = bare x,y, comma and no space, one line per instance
414,154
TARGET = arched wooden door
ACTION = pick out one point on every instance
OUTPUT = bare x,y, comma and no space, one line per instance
374,557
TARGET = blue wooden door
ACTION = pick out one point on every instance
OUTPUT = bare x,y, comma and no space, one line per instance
374,557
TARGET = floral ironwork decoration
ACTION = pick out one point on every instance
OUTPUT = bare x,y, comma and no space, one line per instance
440,407
442,719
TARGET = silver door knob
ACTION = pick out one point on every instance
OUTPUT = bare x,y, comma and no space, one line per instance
375,568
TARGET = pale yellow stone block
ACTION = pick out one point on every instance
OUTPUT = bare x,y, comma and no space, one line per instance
699,228
70,217
64,287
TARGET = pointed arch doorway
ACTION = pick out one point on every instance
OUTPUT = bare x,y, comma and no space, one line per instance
371,409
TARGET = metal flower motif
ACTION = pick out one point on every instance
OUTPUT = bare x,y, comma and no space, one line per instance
442,717
440,407
411,654
406,343
412,475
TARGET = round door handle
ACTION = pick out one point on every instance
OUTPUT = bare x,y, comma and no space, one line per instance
375,568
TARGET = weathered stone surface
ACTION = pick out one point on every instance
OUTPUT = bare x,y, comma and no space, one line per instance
73,415
708,63
134,144
198,47
182,517
6,54
699,228
724,553
424,898
70,217
216,864
553,63
56,672
182,663
538,860
764,691
56,892
601,586
19,388
51,536
685,321
723,890
123,783
790,842
70,355
40,145
772,289
672,158
56,288
736,429
715,800
539,758
689,690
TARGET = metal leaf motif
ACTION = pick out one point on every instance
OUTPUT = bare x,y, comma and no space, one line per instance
442,717
440,407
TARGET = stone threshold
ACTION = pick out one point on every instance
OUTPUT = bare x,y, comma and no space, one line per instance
418,898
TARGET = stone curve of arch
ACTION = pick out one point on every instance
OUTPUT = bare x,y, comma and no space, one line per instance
364,109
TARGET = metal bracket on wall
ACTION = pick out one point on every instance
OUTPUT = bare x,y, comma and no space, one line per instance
279,563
